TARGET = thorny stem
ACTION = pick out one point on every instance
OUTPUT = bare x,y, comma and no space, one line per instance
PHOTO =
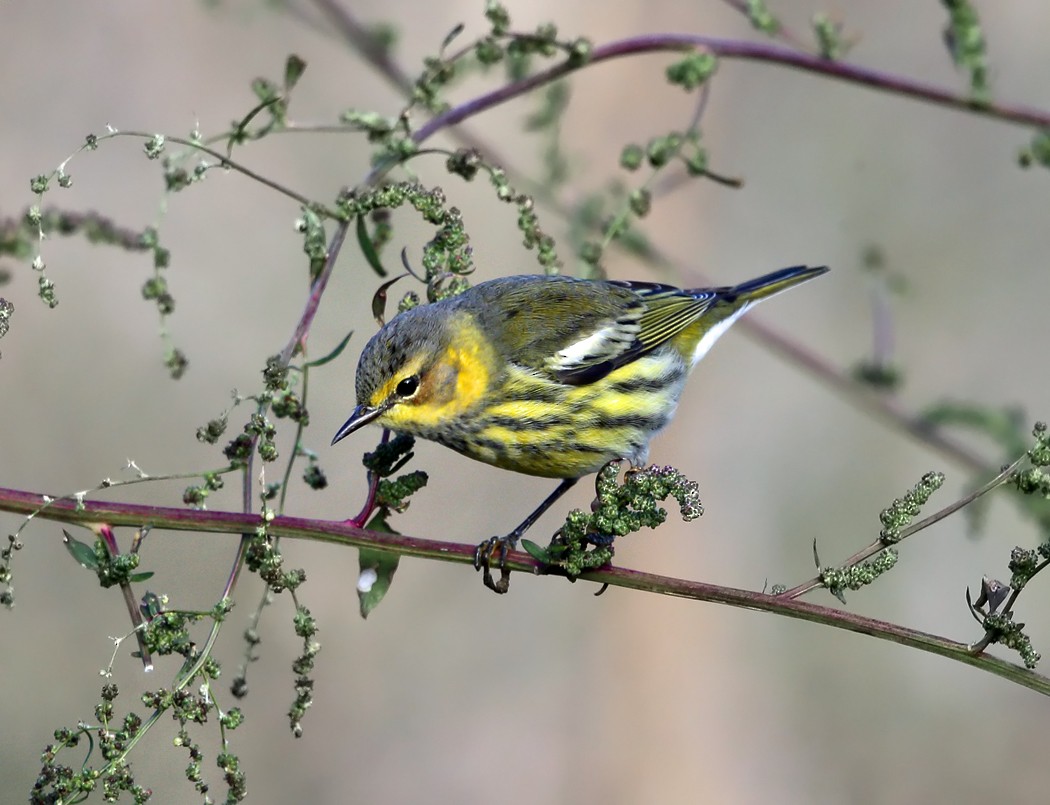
345,533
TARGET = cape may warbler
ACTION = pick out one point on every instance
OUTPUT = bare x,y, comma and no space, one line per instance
549,376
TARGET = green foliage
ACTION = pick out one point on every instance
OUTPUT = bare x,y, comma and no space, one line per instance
586,539
828,32
1037,152
1004,630
376,568
112,569
14,544
692,71
761,17
904,510
302,666
853,577
447,253
965,41
196,495
57,782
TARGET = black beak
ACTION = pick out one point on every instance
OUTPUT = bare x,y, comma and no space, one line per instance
362,415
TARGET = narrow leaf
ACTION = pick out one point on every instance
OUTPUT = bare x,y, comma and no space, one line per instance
535,551
368,249
377,570
379,300
81,551
331,356
455,32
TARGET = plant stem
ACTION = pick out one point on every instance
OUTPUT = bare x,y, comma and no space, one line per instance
345,533
880,544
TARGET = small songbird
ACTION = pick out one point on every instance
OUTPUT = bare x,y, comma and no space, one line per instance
549,376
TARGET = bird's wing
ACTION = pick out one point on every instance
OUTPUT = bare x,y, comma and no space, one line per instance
579,331
660,313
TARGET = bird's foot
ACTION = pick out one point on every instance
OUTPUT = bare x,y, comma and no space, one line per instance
493,553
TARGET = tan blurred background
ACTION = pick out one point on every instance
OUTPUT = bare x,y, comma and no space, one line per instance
448,693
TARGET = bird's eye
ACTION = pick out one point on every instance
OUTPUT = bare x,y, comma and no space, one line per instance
408,386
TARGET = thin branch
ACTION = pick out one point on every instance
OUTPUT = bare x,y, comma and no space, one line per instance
373,52
878,405
826,616
748,51
879,545
313,302
302,330
365,43
226,162
345,533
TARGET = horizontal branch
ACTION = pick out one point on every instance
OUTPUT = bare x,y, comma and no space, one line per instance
751,51
344,533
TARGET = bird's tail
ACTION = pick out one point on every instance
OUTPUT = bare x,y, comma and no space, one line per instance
770,284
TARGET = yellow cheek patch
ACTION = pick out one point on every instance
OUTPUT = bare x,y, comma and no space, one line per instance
454,384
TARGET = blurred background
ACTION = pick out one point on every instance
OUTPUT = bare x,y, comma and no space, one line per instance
449,693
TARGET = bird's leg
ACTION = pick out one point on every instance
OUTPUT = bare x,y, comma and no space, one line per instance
501,546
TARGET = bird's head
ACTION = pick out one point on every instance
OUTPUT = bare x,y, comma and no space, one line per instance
423,369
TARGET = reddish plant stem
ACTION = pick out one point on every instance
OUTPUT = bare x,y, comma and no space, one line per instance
749,51
345,533
109,539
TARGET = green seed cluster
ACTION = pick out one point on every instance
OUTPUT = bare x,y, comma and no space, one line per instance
838,579
1007,632
306,628
620,508
904,509
394,494
692,71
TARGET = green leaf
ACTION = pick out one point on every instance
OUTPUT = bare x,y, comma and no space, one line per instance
151,606
145,574
377,570
1004,425
455,32
331,356
379,299
81,551
535,551
368,249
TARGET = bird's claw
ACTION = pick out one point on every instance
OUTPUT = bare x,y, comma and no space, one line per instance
494,548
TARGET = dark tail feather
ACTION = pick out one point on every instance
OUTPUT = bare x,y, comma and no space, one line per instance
769,284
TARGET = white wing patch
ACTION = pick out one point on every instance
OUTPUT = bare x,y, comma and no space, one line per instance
609,342
707,340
